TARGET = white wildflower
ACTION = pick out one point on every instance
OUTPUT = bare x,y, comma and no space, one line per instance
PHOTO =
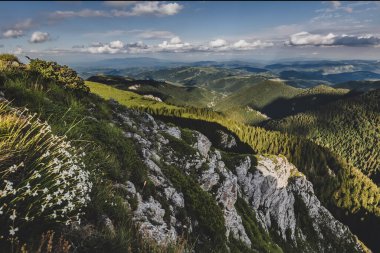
13,231
13,216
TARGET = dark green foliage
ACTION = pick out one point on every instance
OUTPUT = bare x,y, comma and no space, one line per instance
206,126
62,75
260,239
188,136
232,160
179,146
309,99
237,246
201,206
350,128
8,58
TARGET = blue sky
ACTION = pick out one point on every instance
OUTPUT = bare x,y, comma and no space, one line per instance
187,31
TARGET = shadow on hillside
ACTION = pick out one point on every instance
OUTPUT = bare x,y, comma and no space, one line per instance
283,107
209,129
367,229
122,82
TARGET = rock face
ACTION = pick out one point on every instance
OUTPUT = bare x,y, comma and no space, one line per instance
281,199
226,140
279,193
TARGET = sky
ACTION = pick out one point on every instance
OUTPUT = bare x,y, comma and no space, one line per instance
191,31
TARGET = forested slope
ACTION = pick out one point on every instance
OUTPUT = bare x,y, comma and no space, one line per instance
350,128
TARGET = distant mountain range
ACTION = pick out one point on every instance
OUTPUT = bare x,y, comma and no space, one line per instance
302,74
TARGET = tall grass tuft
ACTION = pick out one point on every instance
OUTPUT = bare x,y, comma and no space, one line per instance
42,178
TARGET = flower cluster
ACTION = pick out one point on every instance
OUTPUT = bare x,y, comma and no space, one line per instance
42,176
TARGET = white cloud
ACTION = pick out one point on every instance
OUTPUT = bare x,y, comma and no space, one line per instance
39,37
18,29
114,47
12,33
361,40
221,45
82,13
137,9
305,38
175,40
217,43
116,44
150,8
156,8
241,44
174,45
244,45
105,49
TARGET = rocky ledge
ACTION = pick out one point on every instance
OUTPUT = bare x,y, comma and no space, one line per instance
281,200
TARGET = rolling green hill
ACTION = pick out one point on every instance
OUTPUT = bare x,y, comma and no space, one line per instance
257,96
189,76
224,80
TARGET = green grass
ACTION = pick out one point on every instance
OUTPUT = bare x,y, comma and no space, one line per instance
86,119
32,160
127,98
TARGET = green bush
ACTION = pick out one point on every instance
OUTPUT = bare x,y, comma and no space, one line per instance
9,58
63,75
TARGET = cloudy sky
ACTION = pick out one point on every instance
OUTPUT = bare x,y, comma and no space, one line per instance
187,31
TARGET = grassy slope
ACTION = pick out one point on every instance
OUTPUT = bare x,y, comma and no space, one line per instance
124,97
242,104
111,158
173,94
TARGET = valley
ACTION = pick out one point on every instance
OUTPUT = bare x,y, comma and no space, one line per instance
224,129
189,127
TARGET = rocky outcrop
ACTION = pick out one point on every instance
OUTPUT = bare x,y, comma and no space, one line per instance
279,194
227,141
281,198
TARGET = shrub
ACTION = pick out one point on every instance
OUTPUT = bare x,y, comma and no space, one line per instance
9,58
42,178
9,62
63,75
